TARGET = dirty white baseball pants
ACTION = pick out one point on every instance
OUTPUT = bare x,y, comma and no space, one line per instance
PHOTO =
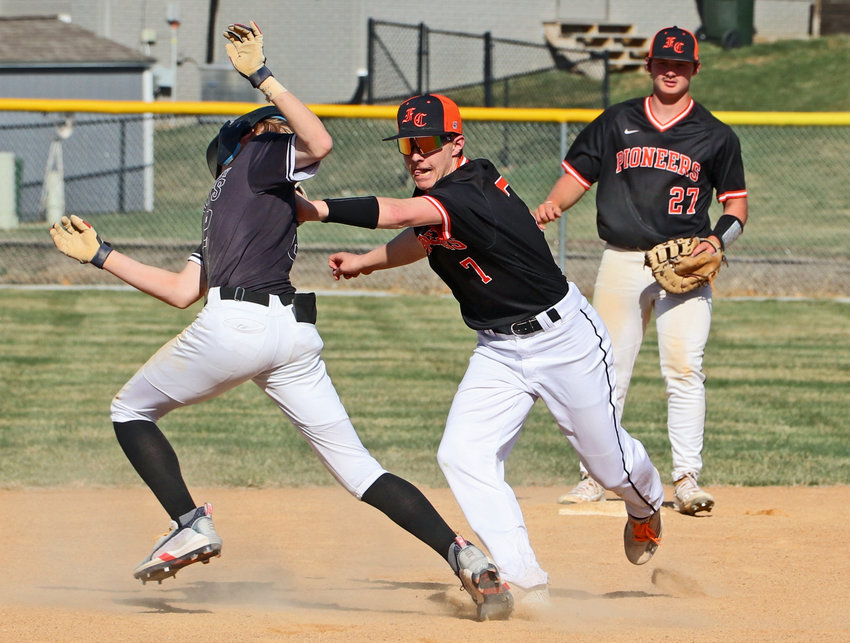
568,366
231,342
626,294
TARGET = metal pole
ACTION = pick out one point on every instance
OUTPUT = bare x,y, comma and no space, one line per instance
370,62
122,168
606,81
53,189
423,71
562,222
8,191
420,58
174,27
172,17
488,69
212,32
147,143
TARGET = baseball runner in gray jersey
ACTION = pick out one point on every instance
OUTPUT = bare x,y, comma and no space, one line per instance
538,338
658,161
255,326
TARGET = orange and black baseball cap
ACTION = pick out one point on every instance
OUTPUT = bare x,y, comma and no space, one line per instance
428,115
672,43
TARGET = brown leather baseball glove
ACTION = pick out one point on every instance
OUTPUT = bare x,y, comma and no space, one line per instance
677,270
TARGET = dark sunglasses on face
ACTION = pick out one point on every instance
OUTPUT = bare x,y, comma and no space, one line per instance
425,144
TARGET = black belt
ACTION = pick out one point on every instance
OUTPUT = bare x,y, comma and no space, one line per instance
526,326
240,294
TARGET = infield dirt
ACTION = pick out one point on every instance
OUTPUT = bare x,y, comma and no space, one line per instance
768,564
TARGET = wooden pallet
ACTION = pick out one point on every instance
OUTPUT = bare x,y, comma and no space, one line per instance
626,48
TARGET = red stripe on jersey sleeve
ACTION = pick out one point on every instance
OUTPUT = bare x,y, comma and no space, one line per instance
502,184
569,169
444,215
737,194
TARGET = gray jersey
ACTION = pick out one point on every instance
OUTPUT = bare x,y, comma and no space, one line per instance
249,223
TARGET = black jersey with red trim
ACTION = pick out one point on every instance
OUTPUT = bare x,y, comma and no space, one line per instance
249,223
489,250
656,181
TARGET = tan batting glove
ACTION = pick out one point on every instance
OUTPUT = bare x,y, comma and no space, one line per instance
245,50
75,238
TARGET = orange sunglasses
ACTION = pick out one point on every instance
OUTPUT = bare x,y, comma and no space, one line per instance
425,144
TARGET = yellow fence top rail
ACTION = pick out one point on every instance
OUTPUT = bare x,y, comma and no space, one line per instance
214,108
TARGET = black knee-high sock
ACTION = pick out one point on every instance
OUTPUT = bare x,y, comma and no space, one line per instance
153,458
406,506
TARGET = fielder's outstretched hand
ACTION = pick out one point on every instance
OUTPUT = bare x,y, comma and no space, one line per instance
245,50
75,238
346,264
546,212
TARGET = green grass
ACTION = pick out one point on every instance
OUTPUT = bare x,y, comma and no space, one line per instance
782,76
778,394
786,76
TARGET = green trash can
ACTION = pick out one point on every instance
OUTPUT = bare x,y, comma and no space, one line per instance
728,23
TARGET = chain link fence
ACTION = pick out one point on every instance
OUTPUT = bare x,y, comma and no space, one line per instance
795,243
405,60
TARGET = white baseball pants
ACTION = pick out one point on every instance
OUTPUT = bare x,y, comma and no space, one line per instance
231,342
568,366
625,295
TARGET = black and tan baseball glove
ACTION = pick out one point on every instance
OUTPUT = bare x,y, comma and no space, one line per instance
677,270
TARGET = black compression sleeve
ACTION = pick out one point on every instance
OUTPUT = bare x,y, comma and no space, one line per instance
728,229
356,211
153,458
406,506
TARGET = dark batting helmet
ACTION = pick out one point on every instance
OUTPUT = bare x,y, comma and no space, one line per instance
225,144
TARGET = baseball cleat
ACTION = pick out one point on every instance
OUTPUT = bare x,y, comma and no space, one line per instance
480,577
496,604
642,537
688,498
587,490
195,542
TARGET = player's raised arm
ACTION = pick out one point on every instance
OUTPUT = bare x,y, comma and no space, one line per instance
245,50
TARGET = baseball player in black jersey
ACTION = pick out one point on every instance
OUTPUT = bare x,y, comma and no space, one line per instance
254,326
537,337
658,162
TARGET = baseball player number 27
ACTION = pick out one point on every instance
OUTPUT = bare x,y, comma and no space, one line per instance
469,262
679,194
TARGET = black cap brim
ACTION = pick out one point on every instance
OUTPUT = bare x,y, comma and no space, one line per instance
416,134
